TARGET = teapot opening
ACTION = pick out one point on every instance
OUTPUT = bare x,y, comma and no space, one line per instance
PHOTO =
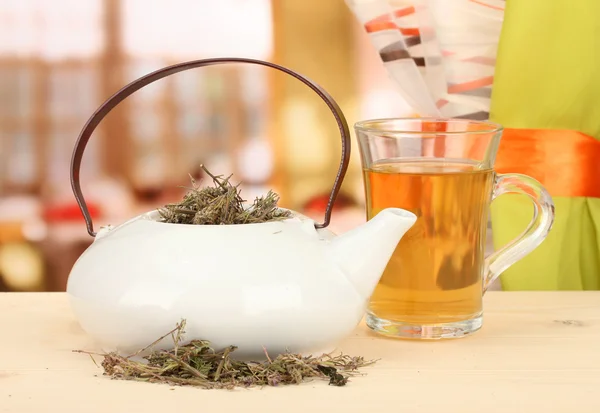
155,216
221,204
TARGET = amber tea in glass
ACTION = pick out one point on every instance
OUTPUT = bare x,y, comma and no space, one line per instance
442,171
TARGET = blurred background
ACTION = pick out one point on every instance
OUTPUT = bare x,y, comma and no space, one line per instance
60,59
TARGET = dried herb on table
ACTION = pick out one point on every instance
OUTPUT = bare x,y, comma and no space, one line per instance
221,204
197,364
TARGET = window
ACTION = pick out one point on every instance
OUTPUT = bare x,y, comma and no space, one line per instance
203,113
54,56
48,85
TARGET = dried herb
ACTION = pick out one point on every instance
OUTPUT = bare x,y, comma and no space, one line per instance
221,204
197,364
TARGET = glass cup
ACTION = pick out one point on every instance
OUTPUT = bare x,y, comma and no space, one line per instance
442,170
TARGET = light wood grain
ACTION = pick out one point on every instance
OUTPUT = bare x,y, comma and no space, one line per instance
537,352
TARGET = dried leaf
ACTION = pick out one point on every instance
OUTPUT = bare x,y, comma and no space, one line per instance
198,364
221,204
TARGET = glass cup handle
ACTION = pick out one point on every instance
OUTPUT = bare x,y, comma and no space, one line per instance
532,237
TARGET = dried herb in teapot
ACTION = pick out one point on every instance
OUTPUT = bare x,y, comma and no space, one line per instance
221,204
198,364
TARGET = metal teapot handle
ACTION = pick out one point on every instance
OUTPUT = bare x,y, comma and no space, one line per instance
136,85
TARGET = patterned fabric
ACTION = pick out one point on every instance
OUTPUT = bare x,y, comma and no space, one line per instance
441,53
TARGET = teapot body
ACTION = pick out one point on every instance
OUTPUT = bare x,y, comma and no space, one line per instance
257,286
280,286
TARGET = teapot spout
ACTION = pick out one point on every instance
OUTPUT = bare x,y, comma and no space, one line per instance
363,252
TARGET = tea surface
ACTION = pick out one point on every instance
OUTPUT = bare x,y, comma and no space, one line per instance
435,273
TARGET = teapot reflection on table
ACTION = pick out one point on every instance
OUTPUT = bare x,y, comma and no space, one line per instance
288,285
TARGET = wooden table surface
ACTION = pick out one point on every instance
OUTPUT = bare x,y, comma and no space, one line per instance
537,352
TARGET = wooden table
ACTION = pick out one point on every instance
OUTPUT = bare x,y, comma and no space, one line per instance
537,352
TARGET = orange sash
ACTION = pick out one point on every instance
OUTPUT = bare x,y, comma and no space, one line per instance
566,162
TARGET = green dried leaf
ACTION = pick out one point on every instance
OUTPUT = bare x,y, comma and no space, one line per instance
221,204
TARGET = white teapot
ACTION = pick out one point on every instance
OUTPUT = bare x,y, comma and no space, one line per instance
288,285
